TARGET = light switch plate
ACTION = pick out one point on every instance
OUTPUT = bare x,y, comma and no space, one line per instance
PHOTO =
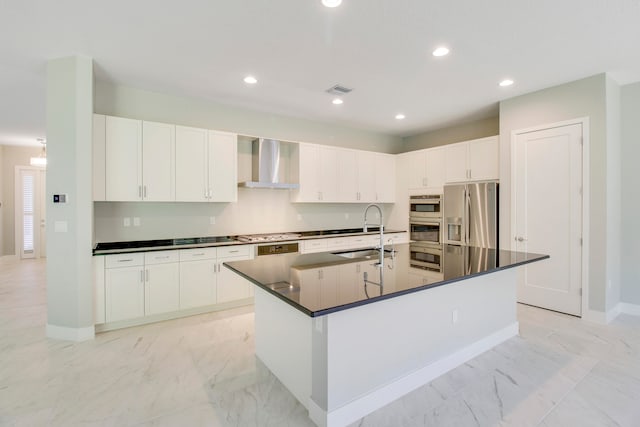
136,221
127,222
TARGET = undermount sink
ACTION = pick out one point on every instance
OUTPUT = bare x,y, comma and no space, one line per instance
362,254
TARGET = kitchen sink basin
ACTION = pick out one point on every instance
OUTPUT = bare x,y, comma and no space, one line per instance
362,254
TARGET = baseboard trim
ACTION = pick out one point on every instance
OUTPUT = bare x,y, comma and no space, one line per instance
70,334
358,408
627,308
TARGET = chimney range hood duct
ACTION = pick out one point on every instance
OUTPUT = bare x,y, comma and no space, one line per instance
265,166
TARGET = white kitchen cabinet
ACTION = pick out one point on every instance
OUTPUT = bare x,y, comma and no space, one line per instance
223,167
385,181
158,165
198,269
206,165
162,282
475,160
367,172
98,163
139,162
347,176
124,287
123,167
484,159
315,168
231,286
314,245
426,169
98,290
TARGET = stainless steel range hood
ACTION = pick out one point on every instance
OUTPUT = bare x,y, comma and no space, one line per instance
265,168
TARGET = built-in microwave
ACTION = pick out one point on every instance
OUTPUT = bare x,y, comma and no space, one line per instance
425,230
426,256
427,206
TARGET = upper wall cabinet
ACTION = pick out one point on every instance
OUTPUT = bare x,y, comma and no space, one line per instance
475,160
138,160
158,166
315,168
426,169
99,154
332,174
206,165
123,170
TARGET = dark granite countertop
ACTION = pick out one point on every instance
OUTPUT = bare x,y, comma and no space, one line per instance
323,283
106,248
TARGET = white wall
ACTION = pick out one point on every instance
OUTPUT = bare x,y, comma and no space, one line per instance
452,134
257,210
582,98
613,193
139,104
630,239
11,157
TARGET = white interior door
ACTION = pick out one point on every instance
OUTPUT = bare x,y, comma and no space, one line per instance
42,213
30,236
547,215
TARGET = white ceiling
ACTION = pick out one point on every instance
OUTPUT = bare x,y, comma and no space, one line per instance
298,48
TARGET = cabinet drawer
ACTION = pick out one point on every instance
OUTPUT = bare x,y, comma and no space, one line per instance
124,260
314,245
235,251
161,257
197,253
337,243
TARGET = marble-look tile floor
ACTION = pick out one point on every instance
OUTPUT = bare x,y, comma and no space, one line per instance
202,371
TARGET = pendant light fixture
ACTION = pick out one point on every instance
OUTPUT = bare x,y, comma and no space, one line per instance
41,160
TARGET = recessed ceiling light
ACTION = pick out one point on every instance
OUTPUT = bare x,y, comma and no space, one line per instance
337,101
506,82
250,80
331,3
441,51
400,116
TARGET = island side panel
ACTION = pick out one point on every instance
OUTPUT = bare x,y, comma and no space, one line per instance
283,343
378,352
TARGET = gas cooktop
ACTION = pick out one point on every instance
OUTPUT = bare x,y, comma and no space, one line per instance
275,237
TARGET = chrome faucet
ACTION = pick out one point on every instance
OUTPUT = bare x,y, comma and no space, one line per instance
380,263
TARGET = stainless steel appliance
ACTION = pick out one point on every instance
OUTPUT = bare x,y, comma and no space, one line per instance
470,214
425,230
426,256
265,166
276,248
426,206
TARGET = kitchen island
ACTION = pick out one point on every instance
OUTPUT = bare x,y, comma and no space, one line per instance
345,347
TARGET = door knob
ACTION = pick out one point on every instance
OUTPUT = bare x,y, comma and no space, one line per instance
520,239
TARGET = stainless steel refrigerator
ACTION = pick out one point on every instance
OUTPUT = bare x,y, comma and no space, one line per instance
471,214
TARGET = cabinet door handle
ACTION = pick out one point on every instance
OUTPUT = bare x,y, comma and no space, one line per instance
144,191
424,182
234,252
125,260
140,191
162,257
141,276
198,254
146,275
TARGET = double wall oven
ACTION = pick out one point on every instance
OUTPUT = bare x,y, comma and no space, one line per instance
425,228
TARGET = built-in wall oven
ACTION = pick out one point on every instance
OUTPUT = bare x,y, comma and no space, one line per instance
425,231
426,206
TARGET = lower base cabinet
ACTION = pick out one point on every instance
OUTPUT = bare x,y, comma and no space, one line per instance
124,293
150,283
197,283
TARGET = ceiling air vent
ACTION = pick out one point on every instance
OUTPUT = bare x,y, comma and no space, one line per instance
339,90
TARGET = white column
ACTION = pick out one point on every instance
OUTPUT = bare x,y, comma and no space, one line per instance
70,224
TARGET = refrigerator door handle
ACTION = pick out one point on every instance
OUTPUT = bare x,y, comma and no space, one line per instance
467,235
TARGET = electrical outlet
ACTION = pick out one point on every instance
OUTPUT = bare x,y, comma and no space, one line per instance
127,222
136,221
346,216
212,220
454,316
